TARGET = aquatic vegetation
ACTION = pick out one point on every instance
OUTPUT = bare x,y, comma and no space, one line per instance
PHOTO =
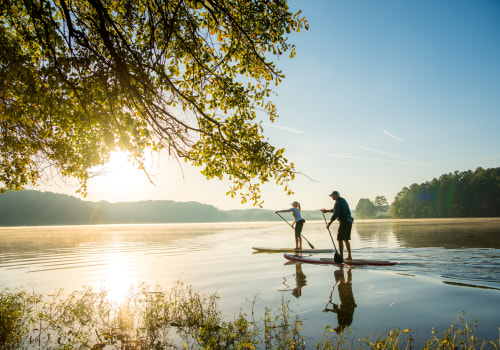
180,318
460,335
15,310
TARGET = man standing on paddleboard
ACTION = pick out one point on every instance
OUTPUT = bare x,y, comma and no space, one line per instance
342,213
298,222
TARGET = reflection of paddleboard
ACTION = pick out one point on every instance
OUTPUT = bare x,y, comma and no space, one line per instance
291,250
330,261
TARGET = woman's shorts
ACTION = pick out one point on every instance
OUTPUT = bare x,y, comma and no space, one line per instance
298,228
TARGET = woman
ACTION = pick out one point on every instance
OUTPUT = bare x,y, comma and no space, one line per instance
298,222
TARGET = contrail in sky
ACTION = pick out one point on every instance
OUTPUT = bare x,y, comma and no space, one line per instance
378,160
417,162
391,135
287,129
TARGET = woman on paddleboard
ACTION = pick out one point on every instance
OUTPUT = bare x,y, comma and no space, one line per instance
298,222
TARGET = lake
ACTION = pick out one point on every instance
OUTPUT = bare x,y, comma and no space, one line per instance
445,267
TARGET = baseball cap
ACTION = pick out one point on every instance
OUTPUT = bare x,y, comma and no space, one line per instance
334,192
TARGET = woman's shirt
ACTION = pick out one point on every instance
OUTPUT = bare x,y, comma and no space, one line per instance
295,212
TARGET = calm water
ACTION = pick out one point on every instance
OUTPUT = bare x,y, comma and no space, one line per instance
445,267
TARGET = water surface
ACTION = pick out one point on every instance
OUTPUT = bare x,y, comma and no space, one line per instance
445,267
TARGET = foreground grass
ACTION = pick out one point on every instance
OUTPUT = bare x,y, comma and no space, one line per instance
179,318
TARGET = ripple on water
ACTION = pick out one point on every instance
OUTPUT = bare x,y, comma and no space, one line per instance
475,267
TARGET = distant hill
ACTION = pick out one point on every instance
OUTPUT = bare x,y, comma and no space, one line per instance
32,208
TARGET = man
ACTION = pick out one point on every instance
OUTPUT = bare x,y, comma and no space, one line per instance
342,213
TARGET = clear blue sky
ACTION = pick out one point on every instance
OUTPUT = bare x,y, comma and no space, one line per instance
381,95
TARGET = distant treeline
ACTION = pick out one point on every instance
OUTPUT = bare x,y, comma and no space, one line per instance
461,194
30,208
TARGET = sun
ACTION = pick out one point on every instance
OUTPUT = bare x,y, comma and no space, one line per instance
120,178
120,171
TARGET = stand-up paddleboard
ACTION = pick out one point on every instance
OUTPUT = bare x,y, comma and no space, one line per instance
330,261
291,250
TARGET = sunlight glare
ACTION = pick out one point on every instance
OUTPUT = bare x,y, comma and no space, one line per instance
121,172
120,177
118,281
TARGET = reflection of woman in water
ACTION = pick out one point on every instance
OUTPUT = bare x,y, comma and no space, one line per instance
300,280
345,311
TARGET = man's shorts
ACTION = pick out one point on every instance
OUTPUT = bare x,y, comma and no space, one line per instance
344,233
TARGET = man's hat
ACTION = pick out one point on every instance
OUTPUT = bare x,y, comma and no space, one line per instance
334,192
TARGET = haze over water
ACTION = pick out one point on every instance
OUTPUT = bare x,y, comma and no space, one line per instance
445,267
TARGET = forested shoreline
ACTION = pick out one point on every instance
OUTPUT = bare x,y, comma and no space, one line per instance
459,194
32,208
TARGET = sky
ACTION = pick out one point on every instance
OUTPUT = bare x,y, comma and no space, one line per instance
381,95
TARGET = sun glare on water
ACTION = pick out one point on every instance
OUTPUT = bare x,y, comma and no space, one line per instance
117,280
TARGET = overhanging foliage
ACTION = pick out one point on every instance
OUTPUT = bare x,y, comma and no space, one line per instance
83,78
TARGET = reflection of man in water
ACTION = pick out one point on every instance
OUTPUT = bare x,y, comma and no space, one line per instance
300,280
345,311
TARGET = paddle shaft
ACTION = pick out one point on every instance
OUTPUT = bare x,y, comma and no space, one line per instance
329,232
330,299
292,227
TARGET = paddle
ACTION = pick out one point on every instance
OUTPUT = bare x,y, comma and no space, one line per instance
337,258
326,309
292,227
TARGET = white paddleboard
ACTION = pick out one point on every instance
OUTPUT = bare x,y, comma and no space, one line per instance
291,250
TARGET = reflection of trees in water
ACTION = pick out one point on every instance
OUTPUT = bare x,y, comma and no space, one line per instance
377,230
448,233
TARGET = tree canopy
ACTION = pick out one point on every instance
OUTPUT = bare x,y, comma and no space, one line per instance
365,209
187,78
459,194
381,205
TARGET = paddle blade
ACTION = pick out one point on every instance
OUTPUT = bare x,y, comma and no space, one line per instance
337,258
310,245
